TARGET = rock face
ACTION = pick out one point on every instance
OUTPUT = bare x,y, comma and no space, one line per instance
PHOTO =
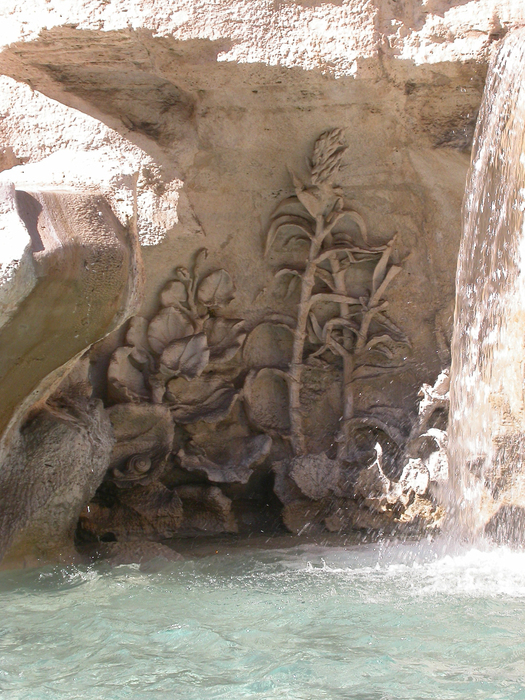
71,282
53,467
294,173
70,275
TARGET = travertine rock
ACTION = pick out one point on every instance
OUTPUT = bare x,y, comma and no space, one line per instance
17,270
317,476
304,516
138,512
52,470
347,515
120,553
82,277
235,462
74,276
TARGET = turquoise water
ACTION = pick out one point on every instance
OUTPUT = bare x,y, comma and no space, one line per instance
372,622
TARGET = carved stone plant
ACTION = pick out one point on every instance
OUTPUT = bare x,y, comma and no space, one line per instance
331,319
162,356
214,413
178,369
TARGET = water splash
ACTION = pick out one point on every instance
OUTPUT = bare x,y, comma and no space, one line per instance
487,424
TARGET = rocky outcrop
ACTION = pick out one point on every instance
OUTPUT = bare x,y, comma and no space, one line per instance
401,494
71,275
53,466
71,280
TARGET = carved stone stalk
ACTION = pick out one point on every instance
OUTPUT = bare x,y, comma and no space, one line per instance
296,365
313,213
348,360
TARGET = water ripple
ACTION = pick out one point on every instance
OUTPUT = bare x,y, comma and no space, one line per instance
370,622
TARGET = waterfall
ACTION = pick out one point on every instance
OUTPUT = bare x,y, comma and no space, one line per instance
487,423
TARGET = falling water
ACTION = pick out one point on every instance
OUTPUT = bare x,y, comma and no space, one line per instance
487,425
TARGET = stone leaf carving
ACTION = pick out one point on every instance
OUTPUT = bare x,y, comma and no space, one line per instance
316,475
240,457
266,398
168,325
360,329
208,398
180,342
318,200
186,357
225,337
268,345
216,289
137,334
126,383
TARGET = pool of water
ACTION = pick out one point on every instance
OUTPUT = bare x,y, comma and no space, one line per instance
369,622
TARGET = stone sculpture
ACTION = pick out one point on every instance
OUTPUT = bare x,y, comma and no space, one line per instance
186,337
185,134
360,331
212,378
330,317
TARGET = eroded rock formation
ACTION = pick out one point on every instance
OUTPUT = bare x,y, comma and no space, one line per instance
72,275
